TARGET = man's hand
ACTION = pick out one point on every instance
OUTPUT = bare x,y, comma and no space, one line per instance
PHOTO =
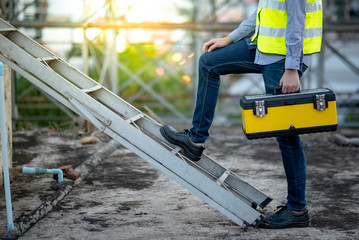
290,81
216,43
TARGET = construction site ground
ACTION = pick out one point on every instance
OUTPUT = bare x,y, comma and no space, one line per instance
124,197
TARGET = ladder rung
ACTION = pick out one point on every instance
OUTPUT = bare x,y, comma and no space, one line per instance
176,150
135,118
7,29
223,177
92,89
47,59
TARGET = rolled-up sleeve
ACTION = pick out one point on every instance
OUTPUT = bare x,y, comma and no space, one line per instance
294,36
245,29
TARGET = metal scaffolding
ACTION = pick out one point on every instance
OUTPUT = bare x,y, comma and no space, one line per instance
341,25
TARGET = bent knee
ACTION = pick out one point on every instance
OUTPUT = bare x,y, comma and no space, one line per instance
205,59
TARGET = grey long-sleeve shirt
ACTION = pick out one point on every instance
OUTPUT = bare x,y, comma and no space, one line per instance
293,38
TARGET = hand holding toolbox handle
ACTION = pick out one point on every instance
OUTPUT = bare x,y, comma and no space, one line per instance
278,91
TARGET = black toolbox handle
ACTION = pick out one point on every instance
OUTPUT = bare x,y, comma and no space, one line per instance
278,91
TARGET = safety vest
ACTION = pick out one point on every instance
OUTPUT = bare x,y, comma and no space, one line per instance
271,26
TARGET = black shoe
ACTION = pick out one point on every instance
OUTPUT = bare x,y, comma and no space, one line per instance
286,218
182,139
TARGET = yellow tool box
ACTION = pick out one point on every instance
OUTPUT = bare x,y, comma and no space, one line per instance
273,115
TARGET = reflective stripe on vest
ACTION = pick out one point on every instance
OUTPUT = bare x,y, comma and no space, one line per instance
271,27
280,32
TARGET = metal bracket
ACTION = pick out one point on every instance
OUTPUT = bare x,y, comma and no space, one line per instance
45,60
320,102
176,150
260,109
92,89
223,177
135,118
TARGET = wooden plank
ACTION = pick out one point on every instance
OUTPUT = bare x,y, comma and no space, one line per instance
7,88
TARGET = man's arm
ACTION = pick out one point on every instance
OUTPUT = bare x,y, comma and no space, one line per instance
294,38
244,30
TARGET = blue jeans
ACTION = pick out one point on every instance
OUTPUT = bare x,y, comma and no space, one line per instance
238,58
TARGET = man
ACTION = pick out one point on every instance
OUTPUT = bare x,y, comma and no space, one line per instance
284,35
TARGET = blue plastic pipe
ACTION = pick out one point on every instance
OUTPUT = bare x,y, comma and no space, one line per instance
10,221
40,171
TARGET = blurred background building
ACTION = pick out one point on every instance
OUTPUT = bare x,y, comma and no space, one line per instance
147,52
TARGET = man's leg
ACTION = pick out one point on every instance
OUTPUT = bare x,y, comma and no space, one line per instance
295,169
234,58
294,214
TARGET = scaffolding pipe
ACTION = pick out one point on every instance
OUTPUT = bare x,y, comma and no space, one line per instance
10,221
352,26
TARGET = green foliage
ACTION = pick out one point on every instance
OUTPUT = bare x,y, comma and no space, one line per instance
35,109
146,62
147,59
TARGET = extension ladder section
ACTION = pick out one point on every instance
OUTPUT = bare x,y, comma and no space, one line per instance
216,185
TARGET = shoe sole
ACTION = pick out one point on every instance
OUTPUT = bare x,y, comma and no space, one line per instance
292,225
187,153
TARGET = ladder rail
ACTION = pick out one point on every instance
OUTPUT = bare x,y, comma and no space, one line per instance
29,45
38,83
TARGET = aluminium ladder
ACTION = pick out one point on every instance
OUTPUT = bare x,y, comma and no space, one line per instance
216,185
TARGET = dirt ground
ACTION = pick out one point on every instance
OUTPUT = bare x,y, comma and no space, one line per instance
126,198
